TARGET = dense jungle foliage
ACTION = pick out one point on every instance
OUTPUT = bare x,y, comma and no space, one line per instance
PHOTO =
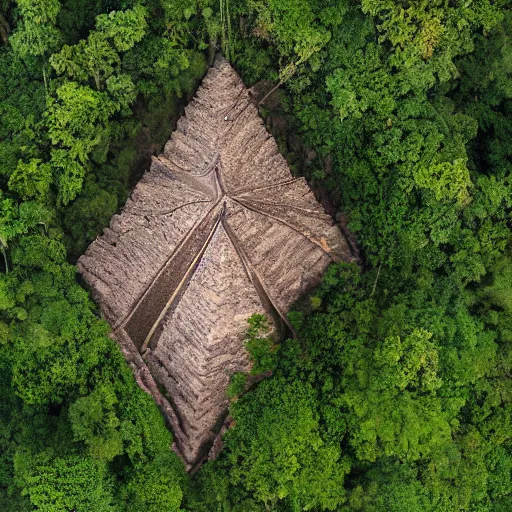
397,393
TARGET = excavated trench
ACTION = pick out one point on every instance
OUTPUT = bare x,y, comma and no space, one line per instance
164,291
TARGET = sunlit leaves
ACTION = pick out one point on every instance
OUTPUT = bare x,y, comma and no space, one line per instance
155,486
72,119
124,28
93,57
31,180
94,421
97,56
277,452
426,37
19,219
446,180
37,34
59,484
292,26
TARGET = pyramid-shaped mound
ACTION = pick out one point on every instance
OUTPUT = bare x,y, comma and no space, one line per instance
216,231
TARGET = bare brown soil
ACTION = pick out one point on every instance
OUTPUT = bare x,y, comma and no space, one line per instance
215,231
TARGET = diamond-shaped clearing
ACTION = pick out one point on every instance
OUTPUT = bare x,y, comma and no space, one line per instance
217,230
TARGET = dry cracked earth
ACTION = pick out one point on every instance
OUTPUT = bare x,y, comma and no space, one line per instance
216,231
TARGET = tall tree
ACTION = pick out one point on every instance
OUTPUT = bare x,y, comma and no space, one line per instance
37,35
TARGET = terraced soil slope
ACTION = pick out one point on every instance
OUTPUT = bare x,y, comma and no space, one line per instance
215,231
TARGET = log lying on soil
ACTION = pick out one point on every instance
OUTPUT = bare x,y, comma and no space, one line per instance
216,231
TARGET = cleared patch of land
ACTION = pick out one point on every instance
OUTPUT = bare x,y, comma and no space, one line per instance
216,230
